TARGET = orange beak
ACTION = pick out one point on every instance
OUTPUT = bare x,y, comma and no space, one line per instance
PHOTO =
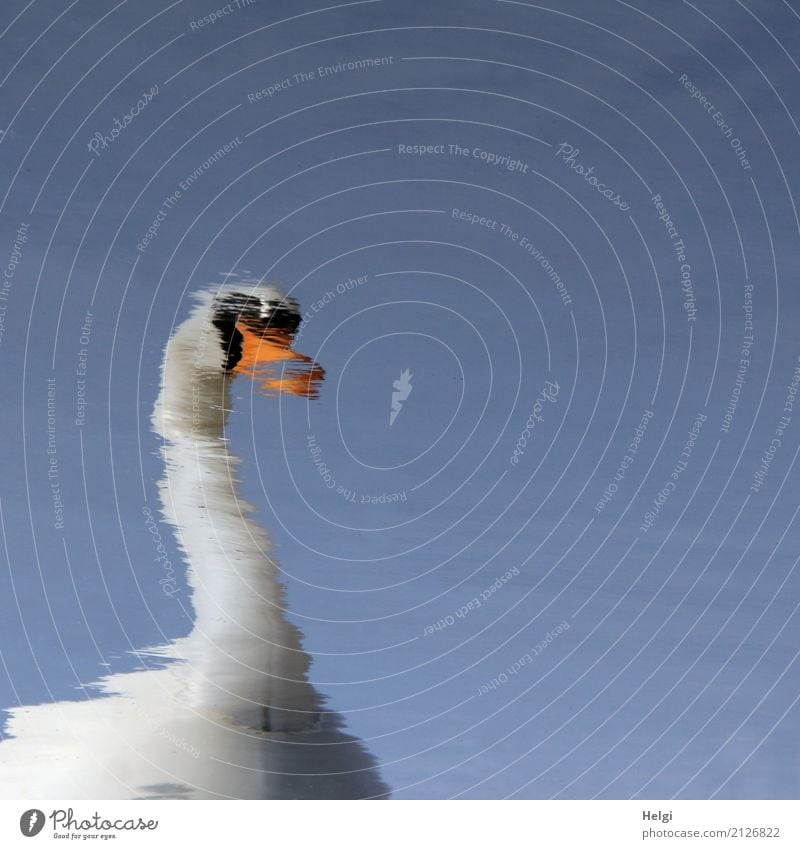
271,362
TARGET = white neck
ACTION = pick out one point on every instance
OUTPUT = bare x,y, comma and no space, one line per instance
247,658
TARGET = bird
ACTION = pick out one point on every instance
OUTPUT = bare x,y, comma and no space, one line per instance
227,711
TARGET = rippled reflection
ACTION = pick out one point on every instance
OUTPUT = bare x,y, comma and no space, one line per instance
232,713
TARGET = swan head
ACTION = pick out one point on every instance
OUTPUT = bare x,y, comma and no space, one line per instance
256,324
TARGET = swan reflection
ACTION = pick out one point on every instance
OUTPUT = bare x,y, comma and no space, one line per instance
231,713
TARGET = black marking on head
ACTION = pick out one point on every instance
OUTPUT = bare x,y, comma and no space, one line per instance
259,315
283,315
231,341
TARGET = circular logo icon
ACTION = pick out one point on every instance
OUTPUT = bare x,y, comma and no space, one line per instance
31,822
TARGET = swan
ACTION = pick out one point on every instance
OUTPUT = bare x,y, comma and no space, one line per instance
230,713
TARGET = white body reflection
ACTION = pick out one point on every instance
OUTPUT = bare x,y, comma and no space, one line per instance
233,714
